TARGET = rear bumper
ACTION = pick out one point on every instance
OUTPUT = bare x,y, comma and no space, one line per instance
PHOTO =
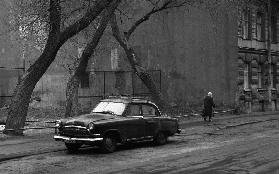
65,139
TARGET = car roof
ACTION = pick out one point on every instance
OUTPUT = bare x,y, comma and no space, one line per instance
124,99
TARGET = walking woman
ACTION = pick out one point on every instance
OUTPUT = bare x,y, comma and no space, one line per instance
208,106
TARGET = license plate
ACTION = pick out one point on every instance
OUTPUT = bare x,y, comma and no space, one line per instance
70,141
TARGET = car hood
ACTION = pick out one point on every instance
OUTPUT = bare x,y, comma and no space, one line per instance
84,120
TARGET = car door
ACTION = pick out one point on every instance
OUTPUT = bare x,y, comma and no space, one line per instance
135,125
151,117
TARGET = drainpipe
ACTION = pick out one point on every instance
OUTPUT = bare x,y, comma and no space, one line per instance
270,75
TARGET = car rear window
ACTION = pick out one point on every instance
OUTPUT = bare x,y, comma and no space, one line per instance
148,110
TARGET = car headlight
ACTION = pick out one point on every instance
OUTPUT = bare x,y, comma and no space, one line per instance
90,126
58,123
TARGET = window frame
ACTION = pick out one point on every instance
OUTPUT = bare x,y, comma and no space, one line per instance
273,26
260,25
246,23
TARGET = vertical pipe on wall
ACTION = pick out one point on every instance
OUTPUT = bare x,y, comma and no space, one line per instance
270,75
246,76
260,67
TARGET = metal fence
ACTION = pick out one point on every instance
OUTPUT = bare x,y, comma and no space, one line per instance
100,84
9,78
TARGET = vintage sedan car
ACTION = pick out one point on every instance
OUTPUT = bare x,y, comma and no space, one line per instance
117,120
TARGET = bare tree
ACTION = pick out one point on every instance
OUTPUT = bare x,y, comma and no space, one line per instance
56,38
72,85
123,40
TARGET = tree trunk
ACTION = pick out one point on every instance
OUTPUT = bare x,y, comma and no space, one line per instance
72,96
73,84
19,103
145,78
155,93
137,68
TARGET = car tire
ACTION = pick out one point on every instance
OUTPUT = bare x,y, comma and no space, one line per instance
108,144
161,138
73,147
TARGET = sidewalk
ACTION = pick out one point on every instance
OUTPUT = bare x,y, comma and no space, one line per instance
186,121
192,121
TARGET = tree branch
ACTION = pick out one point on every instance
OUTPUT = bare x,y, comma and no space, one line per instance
165,6
82,23
55,17
122,41
90,47
139,70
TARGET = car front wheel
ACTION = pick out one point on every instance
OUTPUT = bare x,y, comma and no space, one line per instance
73,147
160,138
109,144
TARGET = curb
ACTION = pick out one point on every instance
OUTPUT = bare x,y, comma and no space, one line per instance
227,116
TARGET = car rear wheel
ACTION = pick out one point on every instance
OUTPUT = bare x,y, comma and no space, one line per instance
73,147
161,138
109,144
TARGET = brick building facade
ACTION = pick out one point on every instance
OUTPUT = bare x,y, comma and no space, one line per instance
258,56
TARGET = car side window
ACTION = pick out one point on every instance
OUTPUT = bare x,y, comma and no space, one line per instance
133,110
149,110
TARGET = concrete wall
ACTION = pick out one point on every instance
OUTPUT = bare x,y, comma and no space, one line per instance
51,90
10,54
10,46
196,51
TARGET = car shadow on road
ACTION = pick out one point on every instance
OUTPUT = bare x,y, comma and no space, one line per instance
88,150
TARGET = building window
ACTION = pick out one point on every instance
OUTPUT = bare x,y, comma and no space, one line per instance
274,29
260,32
245,23
84,81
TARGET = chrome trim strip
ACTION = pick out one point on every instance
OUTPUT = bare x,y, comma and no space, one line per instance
135,116
140,138
81,127
63,138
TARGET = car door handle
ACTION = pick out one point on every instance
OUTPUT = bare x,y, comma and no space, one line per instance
151,121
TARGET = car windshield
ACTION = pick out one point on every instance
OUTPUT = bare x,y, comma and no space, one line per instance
110,108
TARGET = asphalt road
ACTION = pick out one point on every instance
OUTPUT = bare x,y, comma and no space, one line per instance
239,145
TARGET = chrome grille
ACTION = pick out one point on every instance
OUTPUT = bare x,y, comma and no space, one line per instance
74,131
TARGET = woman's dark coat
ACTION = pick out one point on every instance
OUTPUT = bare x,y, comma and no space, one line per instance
208,105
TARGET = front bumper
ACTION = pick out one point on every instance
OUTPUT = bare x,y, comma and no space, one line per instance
69,139
178,131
